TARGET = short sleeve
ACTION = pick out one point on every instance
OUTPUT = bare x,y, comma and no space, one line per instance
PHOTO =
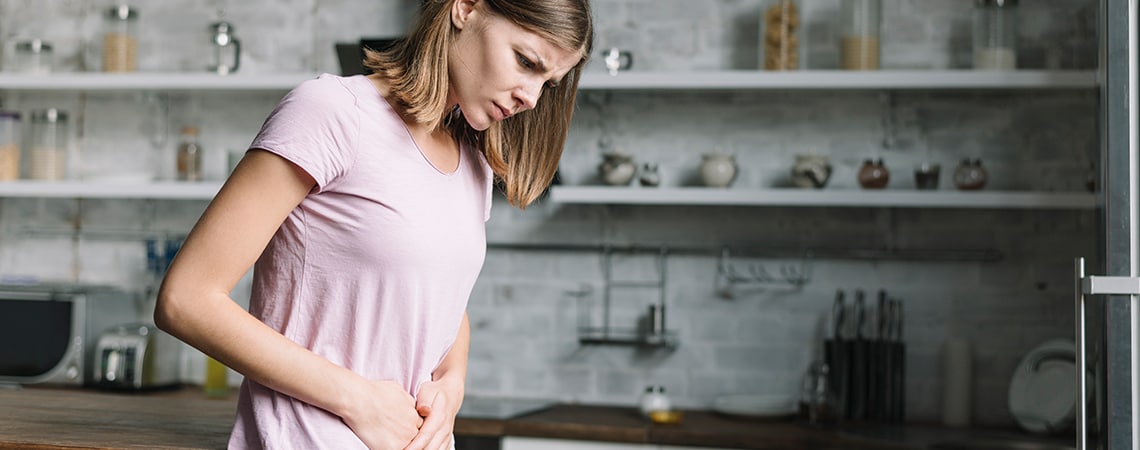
315,126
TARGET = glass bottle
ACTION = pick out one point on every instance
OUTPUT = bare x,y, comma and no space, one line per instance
859,42
995,34
189,158
120,39
47,145
779,35
9,145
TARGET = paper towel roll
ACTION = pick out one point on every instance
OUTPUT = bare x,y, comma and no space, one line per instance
957,382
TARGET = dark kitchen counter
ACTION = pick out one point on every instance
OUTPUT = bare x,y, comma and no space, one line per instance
43,418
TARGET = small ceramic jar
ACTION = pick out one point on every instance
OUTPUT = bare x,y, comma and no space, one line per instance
617,169
650,177
926,176
654,399
811,171
970,175
718,169
874,175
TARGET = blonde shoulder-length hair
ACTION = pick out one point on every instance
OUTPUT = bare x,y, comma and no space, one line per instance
523,150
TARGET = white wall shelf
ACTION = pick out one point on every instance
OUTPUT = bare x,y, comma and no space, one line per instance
840,79
169,190
823,198
633,80
155,81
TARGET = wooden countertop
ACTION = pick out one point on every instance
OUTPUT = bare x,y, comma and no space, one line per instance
53,418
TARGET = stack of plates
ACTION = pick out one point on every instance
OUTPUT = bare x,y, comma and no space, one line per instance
757,406
1042,392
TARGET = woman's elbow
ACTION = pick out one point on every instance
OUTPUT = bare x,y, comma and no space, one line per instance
170,310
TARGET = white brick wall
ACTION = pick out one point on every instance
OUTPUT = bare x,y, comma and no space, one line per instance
524,311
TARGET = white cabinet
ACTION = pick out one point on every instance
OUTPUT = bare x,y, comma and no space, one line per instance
526,443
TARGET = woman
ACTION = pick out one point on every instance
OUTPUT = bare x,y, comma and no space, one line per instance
363,201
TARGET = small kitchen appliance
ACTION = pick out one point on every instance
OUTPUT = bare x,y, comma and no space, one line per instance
48,331
136,356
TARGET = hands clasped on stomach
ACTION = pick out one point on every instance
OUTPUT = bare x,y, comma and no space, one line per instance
385,417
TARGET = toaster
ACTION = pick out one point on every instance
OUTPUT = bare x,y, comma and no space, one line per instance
136,357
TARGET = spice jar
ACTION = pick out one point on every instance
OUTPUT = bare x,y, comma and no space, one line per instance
779,36
859,42
970,175
874,175
995,34
120,39
189,156
47,152
32,56
9,145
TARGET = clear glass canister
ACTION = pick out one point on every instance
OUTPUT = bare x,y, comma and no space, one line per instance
995,34
9,145
779,35
120,39
32,56
859,42
48,145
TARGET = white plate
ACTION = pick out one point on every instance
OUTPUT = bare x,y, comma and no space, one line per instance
775,405
1044,400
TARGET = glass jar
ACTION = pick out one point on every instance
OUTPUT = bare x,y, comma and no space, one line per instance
779,36
189,158
995,34
120,39
32,56
859,41
48,145
9,145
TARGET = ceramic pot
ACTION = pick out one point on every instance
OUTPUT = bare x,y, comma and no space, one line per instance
718,169
811,171
650,177
617,169
926,176
970,175
874,175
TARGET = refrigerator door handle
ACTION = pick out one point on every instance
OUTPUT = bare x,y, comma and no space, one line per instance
1092,285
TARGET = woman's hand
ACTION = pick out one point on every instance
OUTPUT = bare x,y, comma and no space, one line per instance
384,416
438,402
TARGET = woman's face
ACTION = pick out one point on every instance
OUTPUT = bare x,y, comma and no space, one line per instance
497,68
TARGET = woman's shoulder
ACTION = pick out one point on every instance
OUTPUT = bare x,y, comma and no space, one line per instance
325,89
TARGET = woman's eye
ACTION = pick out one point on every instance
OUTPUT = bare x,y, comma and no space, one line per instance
523,61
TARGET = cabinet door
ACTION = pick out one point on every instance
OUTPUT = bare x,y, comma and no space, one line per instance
525,443
670,447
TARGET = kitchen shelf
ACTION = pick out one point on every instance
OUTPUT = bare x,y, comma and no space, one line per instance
825,198
170,190
156,81
632,80
840,79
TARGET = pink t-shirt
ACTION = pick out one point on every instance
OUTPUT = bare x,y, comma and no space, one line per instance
374,268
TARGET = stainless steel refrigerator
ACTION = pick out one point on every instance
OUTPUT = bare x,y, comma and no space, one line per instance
1106,304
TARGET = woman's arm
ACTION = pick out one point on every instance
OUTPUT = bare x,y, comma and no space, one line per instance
439,400
194,305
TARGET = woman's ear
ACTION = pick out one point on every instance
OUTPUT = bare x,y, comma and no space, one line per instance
461,11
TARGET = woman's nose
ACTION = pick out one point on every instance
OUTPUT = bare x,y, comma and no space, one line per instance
528,94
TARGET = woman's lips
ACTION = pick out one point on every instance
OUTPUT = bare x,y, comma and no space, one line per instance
503,112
